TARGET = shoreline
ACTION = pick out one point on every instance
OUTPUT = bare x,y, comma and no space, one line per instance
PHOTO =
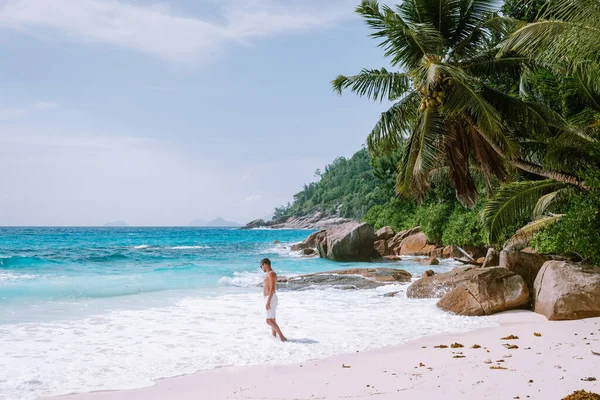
557,363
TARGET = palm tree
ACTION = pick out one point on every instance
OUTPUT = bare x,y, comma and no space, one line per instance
454,103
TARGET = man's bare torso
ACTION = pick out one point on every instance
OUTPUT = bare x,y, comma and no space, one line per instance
270,275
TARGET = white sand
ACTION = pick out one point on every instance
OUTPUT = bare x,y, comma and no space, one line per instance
546,367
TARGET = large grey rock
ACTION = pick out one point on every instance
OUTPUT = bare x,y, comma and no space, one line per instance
525,264
487,291
311,242
564,291
439,284
384,233
335,281
315,220
348,242
352,278
257,223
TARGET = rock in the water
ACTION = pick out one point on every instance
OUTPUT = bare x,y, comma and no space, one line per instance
492,258
565,291
391,294
429,261
429,272
381,247
487,291
378,274
352,278
331,280
311,242
437,285
309,252
276,242
348,242
257,223
525,264
384,233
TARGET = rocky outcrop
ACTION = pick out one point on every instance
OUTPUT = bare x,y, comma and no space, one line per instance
525,264
353,278
487,291
384,233
565,291
314,220
311,242
492,258
381,247
439,284
348,242
415,245
257,223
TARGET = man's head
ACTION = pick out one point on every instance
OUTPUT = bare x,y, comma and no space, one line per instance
265,264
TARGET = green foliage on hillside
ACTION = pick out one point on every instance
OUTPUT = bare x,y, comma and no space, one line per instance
347,188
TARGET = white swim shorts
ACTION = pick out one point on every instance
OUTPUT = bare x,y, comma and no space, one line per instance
273,309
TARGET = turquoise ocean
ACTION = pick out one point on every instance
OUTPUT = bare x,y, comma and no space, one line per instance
85,309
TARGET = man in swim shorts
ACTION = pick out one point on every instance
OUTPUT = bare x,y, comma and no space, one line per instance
269,288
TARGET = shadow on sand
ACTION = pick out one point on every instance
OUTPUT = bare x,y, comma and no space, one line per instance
303,341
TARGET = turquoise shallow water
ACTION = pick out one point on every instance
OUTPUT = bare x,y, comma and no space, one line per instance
85,309
39,265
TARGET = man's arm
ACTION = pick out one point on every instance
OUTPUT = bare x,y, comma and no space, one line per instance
271,281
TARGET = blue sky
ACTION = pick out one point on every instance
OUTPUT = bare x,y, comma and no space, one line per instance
159,113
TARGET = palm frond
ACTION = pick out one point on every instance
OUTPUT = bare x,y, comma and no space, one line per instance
524,235
548,200
513,203
393,124
405,42
462,96
457,150
555,41
375,84
420,154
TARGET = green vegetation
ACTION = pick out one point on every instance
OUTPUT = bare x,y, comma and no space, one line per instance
347,188
493,134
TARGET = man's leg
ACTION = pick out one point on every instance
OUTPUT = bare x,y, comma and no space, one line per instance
273,330
275,327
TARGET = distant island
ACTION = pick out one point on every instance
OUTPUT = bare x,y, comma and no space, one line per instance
217,222
117,223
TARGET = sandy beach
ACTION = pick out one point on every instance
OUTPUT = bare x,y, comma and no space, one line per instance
552,365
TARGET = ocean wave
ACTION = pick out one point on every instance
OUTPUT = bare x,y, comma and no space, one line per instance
107,258
141,246
7,277
20,261
188,247
242,279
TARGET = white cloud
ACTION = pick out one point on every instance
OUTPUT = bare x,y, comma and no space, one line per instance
158,31
13,113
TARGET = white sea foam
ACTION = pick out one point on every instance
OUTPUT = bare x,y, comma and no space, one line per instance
129,349
142,246
9,276
242,279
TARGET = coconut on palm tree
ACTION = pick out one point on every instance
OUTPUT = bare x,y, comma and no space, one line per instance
455,103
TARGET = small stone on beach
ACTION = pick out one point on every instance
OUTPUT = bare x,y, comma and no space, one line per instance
509,337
